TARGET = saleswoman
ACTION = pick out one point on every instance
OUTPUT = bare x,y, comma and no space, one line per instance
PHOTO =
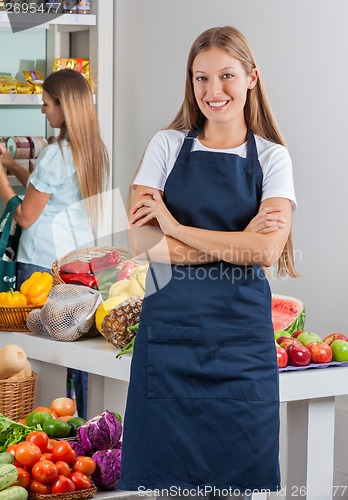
59,209
203,402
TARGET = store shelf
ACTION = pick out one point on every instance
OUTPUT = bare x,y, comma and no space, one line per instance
25,99
20,99
73,22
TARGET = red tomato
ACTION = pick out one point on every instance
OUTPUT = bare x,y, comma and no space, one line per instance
27,453
47,456
63,451
44,471
62,485
50,444
37,487
63,468
23,478
39,438
11,449
80,480
86,465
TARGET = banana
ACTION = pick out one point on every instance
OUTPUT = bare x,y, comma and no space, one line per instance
135,287
119,288
139,273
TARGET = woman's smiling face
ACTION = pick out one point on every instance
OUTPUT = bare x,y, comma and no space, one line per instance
220,85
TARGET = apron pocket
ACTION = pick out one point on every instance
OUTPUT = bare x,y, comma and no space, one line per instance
197,362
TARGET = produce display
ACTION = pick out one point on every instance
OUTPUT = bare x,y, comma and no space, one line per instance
33,291
32,462
109,273
303,348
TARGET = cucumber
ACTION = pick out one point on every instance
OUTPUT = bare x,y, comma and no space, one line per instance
8,475
6,458
14,493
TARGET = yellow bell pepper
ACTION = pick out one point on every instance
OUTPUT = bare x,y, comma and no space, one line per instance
37,287
12,298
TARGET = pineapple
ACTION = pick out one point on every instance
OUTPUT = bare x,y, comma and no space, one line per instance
115,324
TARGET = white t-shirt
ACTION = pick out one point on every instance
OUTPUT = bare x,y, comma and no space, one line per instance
164,147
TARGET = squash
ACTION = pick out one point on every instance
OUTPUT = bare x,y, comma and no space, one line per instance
12,360
23,374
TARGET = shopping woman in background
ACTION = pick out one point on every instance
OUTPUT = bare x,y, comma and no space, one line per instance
68,177
203,402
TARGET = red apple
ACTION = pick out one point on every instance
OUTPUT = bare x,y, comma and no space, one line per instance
282,357
298,355
320,352
297,333
334,336
280,339
286,342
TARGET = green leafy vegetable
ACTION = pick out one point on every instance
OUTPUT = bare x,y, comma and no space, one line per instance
128,348
12,432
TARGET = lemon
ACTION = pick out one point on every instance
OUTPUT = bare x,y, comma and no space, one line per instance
106,306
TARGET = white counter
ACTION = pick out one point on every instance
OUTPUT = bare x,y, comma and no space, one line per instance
307,435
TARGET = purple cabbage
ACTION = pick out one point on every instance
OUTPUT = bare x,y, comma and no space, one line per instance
78,448
108,470
102,432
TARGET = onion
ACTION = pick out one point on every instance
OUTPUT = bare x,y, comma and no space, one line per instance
63,406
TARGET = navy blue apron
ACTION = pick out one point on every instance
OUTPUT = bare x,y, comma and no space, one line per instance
203,399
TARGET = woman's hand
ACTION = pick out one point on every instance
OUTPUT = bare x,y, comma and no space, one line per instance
6,158
151,206
266,221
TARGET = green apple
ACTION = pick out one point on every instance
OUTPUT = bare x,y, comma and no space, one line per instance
281,333
339,350
307,338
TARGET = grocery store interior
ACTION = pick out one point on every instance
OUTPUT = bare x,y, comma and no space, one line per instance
137,51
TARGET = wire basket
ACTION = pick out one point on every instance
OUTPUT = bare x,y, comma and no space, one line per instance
17,397
84,255
13,318
74,495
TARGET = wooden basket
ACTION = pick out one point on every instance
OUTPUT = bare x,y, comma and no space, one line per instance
13,318
84,255
74,495
17,397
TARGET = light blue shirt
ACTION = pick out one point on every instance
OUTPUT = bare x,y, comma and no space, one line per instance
63,225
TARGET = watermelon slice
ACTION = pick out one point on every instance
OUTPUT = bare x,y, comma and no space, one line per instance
288,313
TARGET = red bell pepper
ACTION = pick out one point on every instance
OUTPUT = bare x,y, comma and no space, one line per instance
126,270
79,279
77,266
110,259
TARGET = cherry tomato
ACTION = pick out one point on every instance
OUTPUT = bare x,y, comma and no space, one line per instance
47,456
86,465
63,451
37,487
80,480
63,406
62,485
44,471
23,478
27,453
50,444
63,468
39,438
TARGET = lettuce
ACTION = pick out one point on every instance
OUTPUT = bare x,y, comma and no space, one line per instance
12,432
102,432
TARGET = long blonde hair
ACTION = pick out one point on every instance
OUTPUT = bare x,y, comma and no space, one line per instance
257,111
71,91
